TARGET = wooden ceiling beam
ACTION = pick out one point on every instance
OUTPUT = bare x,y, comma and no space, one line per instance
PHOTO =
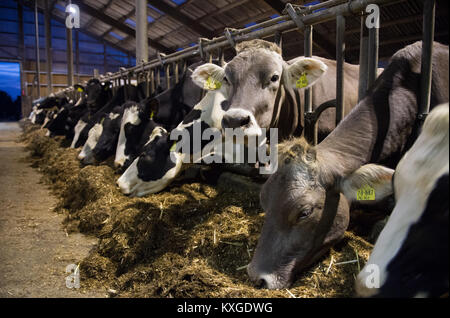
182,18
117,25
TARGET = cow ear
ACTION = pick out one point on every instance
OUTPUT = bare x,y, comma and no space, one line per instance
208,76
369,184
153,107
78,88
305,72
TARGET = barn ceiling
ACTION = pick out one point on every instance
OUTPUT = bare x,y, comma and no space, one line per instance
177,24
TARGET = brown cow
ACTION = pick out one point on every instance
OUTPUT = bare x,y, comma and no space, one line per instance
306,212
262,96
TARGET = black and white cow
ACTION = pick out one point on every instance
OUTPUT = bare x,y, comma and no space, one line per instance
158,164
67,116
97,95
411,255
91,132
167,109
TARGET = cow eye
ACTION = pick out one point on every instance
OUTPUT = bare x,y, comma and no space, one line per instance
275,78
225,80
304,213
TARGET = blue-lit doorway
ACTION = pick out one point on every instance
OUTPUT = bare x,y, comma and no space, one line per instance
10,91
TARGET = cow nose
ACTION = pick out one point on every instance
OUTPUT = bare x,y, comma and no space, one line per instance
234,121
261,284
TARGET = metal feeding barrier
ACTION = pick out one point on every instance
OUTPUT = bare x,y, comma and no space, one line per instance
294,17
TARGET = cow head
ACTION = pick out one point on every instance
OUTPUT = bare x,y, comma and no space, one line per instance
86,155
260,83
96,94
107,141
159,163
136,117
306,213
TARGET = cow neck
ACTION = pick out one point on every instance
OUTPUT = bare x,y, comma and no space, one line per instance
350,144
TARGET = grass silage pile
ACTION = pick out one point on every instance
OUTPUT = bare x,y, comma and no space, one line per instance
191,240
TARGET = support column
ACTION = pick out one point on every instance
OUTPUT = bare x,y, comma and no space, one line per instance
48,46
38,59
141,32
77,55
69,52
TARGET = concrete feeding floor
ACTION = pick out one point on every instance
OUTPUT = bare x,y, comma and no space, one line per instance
34,247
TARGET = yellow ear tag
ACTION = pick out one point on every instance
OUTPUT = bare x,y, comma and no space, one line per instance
79,89
174,146
302,81
212,84
366,193
152,114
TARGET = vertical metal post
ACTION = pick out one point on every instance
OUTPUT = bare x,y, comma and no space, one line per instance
340,59
221,57
429,11
105,60
363,60
167,72
152,81
310,126
38,59
158,77
141,31
77,56
278,38
177,75
96,73
373,56
308,53
48,46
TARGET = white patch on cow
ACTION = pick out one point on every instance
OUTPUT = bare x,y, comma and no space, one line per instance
78,128
86,153
32,115
113,116
80,100
415,177
158,131
47,134
37,112
46,120
130,116
130,184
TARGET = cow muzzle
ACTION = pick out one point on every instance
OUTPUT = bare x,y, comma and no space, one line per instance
241,119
